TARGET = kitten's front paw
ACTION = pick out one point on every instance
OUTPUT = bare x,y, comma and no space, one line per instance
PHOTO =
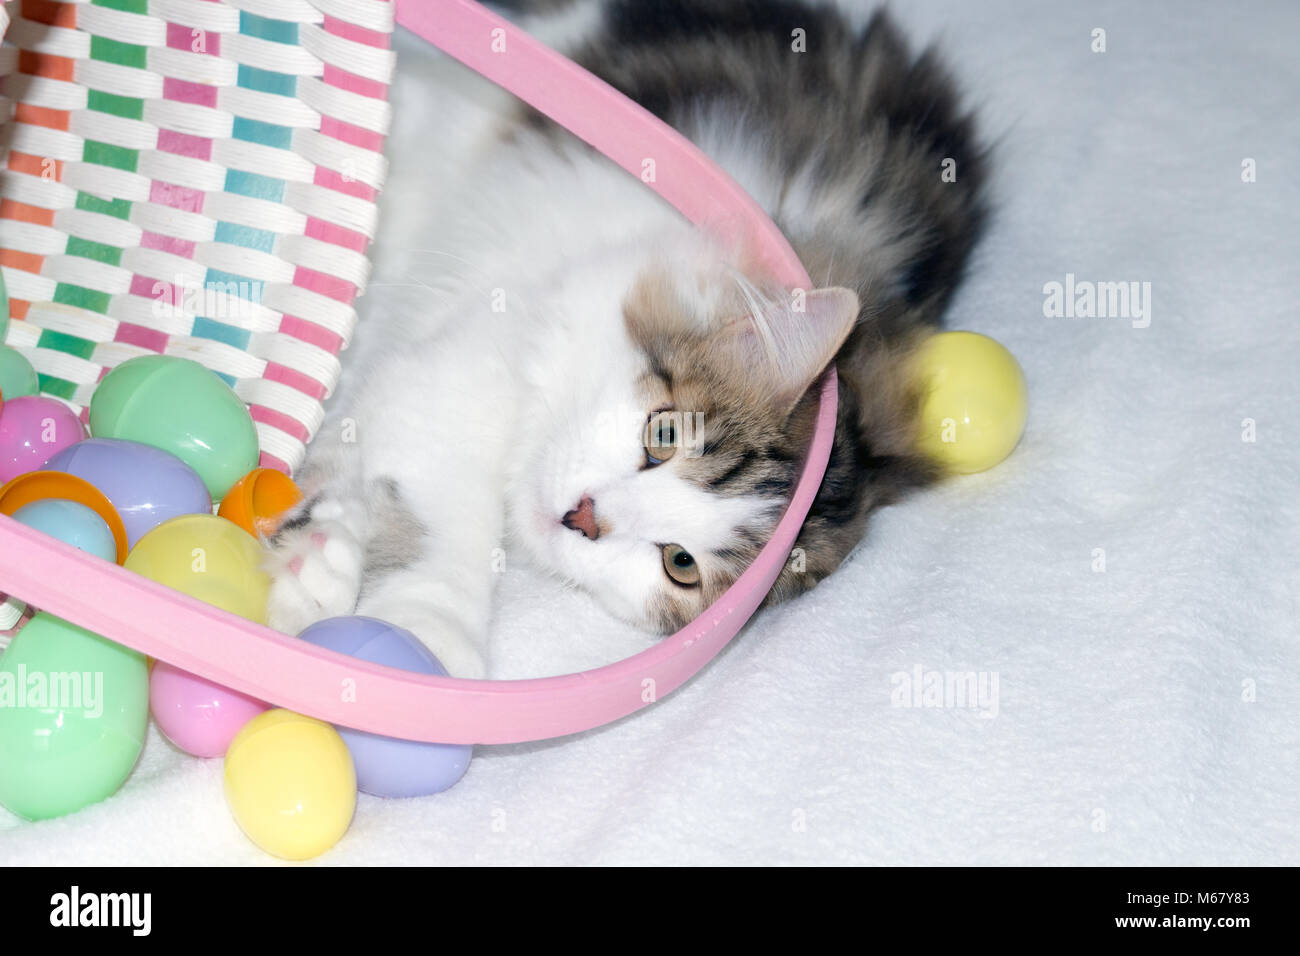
315,570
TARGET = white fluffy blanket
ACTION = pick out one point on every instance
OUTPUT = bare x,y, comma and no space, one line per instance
1147,713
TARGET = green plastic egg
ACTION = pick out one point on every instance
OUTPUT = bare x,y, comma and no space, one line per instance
17,377
181,407
73,712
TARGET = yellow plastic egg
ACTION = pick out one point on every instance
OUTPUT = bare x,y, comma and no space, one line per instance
290,784
208,558
975,401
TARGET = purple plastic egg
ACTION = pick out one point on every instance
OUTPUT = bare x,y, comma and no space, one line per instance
146,485
34,428
388,766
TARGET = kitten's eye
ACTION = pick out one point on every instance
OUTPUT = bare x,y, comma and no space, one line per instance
679,564
660,438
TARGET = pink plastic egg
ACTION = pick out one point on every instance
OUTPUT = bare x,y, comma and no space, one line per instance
197,715
33,429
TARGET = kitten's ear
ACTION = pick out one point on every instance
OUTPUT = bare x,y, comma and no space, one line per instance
786,350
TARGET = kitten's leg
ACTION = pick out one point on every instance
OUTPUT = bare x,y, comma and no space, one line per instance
401,528
432,574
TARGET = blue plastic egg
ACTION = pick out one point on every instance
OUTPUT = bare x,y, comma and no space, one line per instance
387,766
71,523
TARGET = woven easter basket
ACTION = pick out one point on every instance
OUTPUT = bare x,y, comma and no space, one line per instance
196,178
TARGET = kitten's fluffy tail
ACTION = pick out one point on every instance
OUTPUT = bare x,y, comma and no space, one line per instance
894,174
868,162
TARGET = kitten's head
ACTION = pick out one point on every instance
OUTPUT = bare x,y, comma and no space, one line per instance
676,416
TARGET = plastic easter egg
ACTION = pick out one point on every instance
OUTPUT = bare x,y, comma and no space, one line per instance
146,485
975,401
43,487
33,429
17,377
290,784
388,766
181,407
73,712
197,715
72,524
215,561
207,558
257,500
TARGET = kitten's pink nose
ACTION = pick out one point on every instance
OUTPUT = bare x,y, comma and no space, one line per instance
583,518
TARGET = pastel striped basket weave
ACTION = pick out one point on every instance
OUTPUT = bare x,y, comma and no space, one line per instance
198,178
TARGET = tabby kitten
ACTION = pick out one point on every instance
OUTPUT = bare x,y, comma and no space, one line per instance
592,381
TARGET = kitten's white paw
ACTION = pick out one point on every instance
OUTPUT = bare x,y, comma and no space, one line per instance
315,573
